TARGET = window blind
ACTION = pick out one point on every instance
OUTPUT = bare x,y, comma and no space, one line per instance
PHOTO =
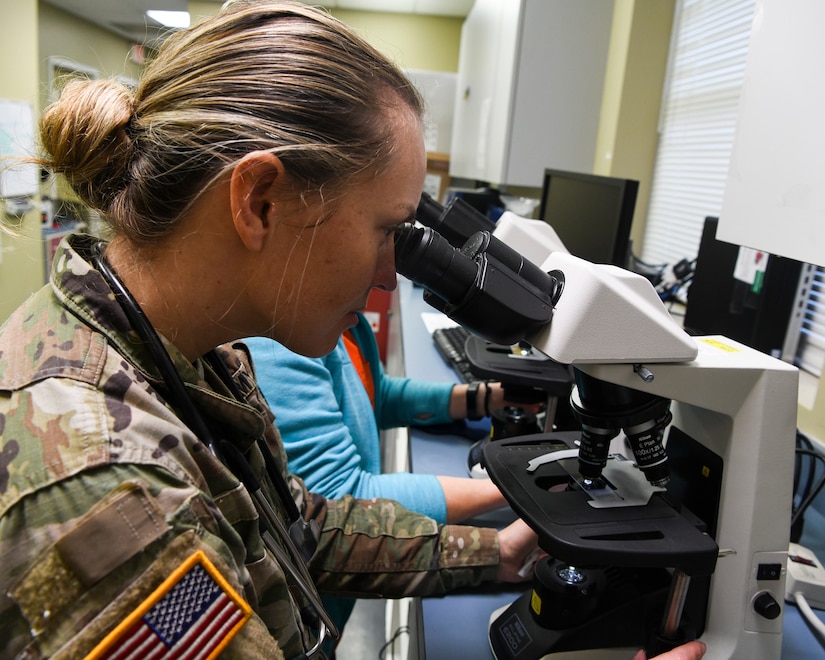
698,118
700,102
810,354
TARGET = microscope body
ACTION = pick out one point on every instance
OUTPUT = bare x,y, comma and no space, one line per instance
702,555
731,447
740,405
734,422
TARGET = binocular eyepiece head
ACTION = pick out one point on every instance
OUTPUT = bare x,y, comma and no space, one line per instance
485,285
427,258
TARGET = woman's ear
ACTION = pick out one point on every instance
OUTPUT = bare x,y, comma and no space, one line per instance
253,187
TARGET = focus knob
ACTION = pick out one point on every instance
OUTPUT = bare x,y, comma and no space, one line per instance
765,605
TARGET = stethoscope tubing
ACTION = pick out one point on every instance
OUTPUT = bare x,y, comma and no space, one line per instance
294,562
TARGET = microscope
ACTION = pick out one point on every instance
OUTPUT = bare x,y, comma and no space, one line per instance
666,517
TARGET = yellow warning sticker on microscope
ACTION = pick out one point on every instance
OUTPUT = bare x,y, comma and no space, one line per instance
535,602
722,346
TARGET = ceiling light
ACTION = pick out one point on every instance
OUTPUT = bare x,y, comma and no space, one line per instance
170,19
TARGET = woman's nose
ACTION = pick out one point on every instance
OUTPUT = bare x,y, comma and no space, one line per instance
385,277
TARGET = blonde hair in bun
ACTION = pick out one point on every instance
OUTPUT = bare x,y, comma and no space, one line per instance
276,76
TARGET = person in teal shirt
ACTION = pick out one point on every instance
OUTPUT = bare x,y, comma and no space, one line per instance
329,411
330,427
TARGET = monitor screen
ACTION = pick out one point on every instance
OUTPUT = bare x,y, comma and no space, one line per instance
591,214
719,303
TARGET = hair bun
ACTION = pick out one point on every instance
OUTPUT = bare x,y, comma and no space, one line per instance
85,134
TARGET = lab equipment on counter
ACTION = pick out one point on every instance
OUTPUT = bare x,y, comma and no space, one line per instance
666,517
449,342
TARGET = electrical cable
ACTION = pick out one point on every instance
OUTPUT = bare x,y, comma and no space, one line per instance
814,623
401,630
301,538
803,443
806,490
810,491
801,492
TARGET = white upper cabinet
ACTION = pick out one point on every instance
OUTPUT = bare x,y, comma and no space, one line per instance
529,89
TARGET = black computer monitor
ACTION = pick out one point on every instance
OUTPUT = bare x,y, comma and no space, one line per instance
719,303
591,214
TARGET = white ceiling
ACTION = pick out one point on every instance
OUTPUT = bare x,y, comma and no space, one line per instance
127,18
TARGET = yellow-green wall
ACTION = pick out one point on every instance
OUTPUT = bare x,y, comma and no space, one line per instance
41,31
412,41
628,131
626,144
199,9
21,255
63,35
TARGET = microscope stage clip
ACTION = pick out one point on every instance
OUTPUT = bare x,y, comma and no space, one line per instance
624,485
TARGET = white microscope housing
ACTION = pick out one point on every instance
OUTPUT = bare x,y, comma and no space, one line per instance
725,413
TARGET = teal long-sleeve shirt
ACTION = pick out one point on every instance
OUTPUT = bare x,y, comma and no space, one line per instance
330,430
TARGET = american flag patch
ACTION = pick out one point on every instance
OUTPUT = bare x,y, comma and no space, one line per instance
191,616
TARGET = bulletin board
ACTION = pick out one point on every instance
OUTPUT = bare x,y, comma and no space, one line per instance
17,139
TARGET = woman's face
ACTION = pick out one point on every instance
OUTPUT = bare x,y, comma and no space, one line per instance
330,266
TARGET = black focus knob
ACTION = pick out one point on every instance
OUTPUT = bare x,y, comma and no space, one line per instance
765,605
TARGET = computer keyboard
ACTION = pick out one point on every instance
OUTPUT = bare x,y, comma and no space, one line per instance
450,344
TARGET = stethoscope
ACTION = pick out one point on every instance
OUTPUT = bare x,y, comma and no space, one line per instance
301,536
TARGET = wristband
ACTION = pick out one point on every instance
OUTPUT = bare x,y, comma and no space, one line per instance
472,400
487,399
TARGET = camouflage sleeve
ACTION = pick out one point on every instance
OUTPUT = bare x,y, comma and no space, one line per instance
379,548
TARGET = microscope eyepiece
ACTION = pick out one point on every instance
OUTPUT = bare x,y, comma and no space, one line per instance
485,286
456,222
425,257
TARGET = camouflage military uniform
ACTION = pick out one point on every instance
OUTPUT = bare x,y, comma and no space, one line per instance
105,493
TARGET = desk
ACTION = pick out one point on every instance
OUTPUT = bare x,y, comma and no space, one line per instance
456,626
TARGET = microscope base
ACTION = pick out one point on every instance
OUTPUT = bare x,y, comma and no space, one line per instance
624,622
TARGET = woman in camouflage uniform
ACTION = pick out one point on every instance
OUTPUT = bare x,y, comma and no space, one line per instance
252,183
